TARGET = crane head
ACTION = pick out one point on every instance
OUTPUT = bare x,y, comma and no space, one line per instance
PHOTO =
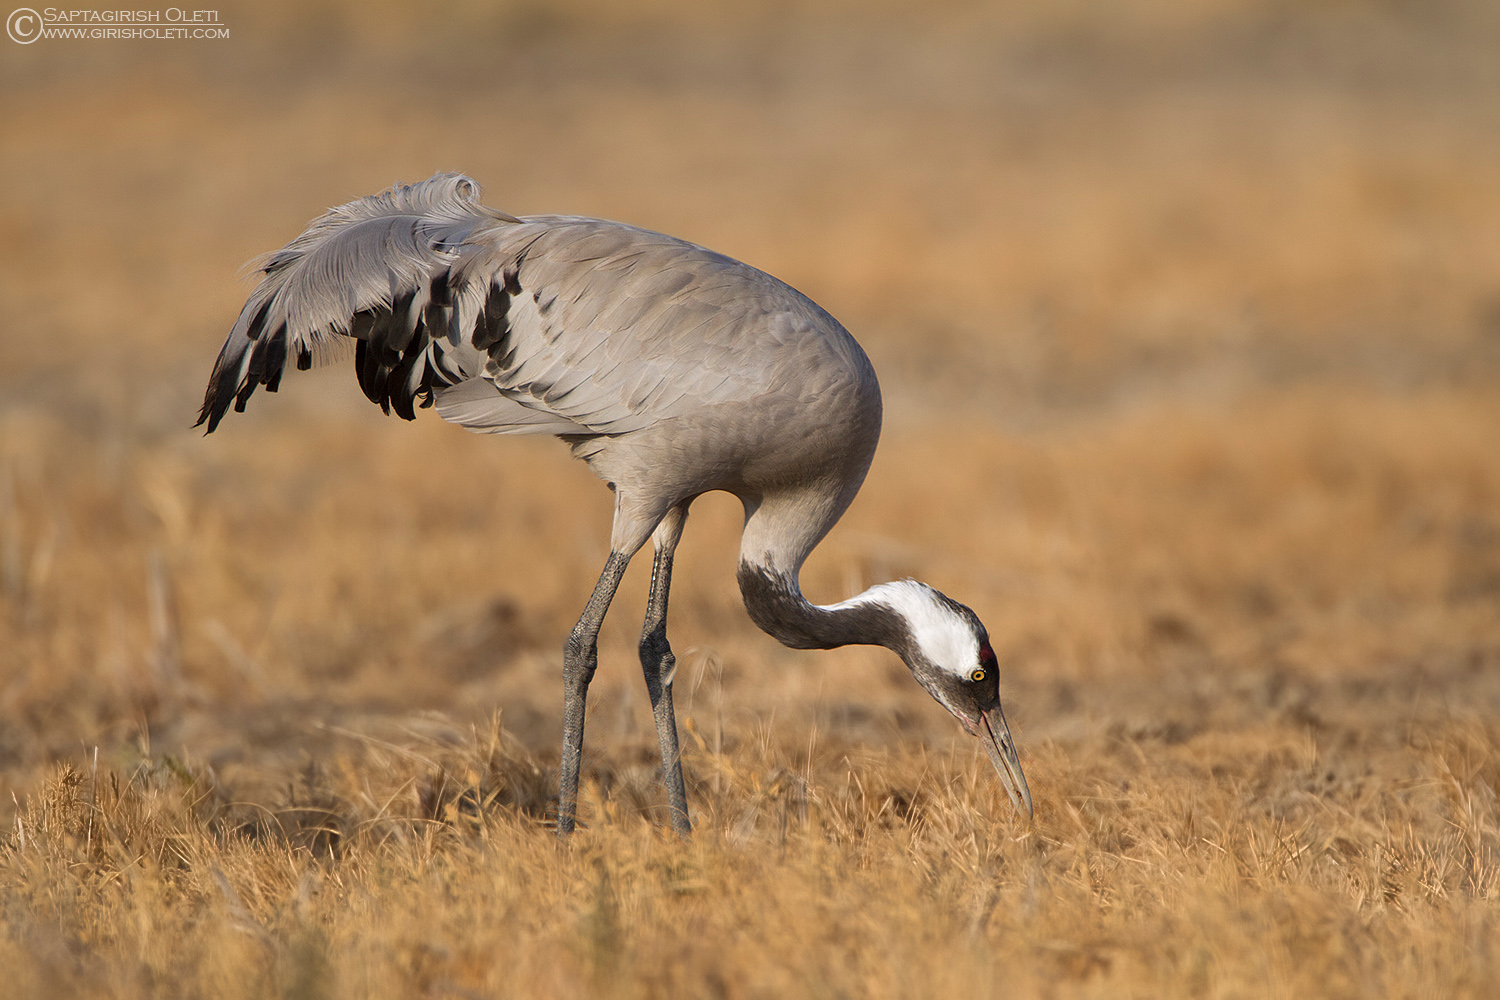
948,651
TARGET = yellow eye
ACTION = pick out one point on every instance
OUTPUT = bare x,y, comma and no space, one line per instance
977,674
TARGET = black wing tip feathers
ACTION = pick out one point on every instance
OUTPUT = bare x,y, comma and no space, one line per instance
392,340
226,386
390,345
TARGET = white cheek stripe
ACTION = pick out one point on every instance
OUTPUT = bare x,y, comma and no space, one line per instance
945,639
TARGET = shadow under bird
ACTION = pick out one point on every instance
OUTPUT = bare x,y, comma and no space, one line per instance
671,370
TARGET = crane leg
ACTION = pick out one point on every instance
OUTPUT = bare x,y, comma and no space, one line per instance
580,659
660,665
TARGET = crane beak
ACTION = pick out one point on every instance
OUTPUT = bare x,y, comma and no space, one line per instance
995,735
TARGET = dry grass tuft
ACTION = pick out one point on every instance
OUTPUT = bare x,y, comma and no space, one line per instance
1148,872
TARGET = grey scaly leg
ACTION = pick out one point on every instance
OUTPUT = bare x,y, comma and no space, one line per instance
660,665
580,658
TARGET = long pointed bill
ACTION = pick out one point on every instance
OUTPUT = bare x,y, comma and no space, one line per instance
995,735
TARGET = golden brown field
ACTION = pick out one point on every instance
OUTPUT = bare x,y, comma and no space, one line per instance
1188,320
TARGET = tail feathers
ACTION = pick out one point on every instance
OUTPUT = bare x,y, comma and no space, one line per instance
376,270
477,405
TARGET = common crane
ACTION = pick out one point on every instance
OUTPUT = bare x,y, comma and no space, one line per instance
671,370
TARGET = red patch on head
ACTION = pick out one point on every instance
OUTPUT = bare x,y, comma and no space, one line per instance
986,653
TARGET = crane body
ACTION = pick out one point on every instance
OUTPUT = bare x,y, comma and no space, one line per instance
671,370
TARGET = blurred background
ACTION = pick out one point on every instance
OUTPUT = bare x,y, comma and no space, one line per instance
1187,317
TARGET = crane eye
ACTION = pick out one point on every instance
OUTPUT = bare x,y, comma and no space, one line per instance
977,674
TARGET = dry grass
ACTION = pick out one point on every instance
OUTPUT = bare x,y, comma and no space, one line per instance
1189,321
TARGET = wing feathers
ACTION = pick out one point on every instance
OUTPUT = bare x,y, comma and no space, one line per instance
374,270
550,324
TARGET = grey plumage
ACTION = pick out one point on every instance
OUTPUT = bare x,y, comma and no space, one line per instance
672,371
615,329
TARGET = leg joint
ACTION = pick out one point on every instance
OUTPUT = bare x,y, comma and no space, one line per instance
577,646
580,656
654,647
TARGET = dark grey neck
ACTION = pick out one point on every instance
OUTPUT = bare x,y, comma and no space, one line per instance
775,603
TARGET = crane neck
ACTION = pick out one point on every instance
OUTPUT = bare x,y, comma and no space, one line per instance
781,529
774,601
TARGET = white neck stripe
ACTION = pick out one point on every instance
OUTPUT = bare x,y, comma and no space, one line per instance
944,638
